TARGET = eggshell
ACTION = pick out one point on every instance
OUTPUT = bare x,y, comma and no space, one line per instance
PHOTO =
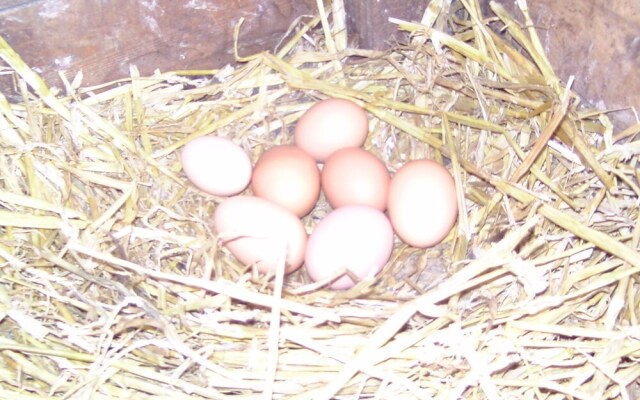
259,232
289,177
216,165
422,203
358,238
330,125
353,176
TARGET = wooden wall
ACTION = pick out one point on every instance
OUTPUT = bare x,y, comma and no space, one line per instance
598,41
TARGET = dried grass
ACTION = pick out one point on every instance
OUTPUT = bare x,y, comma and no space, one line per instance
112,284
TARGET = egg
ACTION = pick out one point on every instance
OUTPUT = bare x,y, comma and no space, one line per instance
261,233
289,177
330,125
353,176
358,238
422,203
216,165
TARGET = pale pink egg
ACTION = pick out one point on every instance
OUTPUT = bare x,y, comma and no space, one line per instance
261,233
358,238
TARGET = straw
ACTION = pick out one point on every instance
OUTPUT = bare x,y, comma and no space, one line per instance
114,283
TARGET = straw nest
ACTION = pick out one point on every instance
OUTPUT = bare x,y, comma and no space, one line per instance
113,285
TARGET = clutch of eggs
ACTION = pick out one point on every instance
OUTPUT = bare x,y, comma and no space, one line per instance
355,240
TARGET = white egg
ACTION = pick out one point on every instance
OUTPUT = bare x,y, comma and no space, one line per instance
216,165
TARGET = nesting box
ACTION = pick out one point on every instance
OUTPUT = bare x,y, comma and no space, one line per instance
116,282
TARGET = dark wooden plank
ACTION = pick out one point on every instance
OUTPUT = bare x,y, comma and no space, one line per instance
368,21
597,41
103,38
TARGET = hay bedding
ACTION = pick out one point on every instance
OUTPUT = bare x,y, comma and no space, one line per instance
112,284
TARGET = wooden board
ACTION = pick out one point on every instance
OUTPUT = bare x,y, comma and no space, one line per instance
102,38
597,41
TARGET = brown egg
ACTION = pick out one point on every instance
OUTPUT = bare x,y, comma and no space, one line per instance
289,177
353,176
422,203
330,125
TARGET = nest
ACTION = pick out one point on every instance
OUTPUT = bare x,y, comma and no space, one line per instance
113,284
